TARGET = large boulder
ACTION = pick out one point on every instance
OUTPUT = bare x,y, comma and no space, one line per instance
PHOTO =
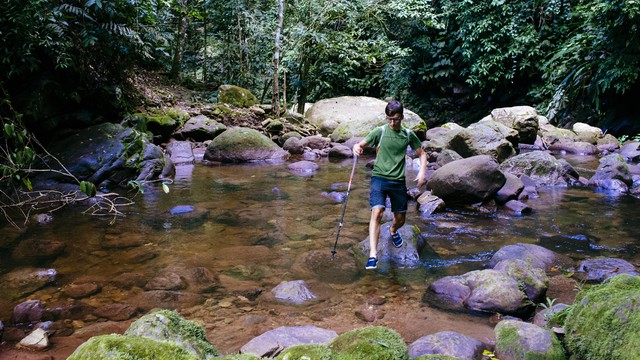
107,155
542,167
587,133
199,128
520,340
612,167
487,291
407,256
523,119
243,145
631,151
169,326
604,320
116,346
236,96
350,116
485,138
467,181
535,255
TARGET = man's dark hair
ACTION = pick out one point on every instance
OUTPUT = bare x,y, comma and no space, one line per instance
394,107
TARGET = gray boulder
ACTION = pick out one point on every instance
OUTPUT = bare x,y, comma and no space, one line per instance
467,181
534,281
602,268
430,204
199,128
350,116
272,342
484,138
407,256
315,142
611,167
107,155
481,290
169,326
587,133
446,156
447,343
243,145
523,119
535,255
553,136
29,311
631,151
180,152
340,151
293,145
511,189
520,340
540,166
303,167
236,96
576,147
608,143
293,292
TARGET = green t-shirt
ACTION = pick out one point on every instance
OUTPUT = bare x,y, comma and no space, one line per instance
391,150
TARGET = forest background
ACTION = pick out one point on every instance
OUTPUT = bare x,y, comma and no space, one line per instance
71,63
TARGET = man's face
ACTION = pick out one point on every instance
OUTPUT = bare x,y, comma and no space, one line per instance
395,121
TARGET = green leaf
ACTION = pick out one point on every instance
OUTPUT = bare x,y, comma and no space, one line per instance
88,188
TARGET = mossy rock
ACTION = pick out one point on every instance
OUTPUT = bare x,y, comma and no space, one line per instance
121,347
305,352
238,357
164,122
236,96
243,145
341,134
520,340
604,321
369,343
169,326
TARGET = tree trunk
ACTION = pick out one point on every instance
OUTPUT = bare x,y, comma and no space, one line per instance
275,100
176,64
304,81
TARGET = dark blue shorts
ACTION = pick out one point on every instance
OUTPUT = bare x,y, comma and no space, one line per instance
396,190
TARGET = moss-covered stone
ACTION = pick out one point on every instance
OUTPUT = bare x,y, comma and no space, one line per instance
236,96
341,134
520,340
238,357
243,145
164,122
306,351
369,343
166,325
604,321
121,347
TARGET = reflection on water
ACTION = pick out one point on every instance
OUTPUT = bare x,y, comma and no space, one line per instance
255,223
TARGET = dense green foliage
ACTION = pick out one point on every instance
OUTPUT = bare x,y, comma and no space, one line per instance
575,60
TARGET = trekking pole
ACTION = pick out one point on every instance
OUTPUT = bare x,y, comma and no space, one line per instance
344,206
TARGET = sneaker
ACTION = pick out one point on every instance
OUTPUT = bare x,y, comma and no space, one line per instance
397,240
372,263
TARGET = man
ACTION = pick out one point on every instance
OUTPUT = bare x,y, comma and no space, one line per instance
388,177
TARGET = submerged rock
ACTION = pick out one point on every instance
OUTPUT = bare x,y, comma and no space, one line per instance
274,341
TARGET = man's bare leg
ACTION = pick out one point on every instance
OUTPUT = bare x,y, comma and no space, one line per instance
374,230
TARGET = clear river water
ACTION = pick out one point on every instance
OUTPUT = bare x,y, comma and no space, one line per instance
253,224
